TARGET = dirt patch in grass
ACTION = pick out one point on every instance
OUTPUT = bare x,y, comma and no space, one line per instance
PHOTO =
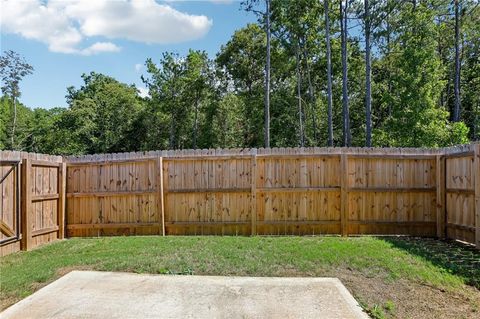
459,258
7,301
406,299
402,298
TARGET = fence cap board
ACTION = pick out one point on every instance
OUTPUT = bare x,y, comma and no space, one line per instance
460,148
18,156
284,151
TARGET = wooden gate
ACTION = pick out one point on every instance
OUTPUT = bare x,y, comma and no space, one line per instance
9,204
32,200
43,191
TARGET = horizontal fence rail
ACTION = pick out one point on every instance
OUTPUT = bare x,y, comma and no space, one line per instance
280,191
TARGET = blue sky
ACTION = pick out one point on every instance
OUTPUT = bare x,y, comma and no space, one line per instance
69,40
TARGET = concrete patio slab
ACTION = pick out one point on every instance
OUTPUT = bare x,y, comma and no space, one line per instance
91,294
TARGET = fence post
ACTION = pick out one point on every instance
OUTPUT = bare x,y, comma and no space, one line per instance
253,196
343,194
62,178
440,188
476,169
161,198
26,205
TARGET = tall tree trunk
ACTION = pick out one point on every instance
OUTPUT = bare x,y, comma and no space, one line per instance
368,95
456,110
267,78
311,93
14,124
171,142
346,113
389,79
299,96
329,75
195,126
476,124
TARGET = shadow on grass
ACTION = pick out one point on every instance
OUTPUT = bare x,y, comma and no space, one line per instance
457,258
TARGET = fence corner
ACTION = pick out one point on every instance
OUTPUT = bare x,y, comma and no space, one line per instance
476,167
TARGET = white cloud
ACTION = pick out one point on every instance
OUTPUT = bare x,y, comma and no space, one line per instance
222,1
64,24
142,21
142,92
138,67
212,1
34,21
100,47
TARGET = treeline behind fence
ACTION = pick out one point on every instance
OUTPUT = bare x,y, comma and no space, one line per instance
311,191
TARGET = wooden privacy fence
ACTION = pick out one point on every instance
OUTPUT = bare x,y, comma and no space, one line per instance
266,192
311,191
32,200
347,191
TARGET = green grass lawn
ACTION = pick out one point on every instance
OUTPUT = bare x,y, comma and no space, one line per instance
359,262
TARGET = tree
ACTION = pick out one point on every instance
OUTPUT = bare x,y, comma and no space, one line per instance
267,77
184,94
242,59
458,42
102,114
13,68
344,35
44,136
227,122
295,26
24,123
329,74
166,86
368,74
264,16
470,80
456,111
417,78
396,90
199,81
301,131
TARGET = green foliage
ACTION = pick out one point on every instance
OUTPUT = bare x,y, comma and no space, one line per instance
416,74
42,138
100,118
13,68
375,312
4,120
198,102
228,122
184,96
24,124
243,59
